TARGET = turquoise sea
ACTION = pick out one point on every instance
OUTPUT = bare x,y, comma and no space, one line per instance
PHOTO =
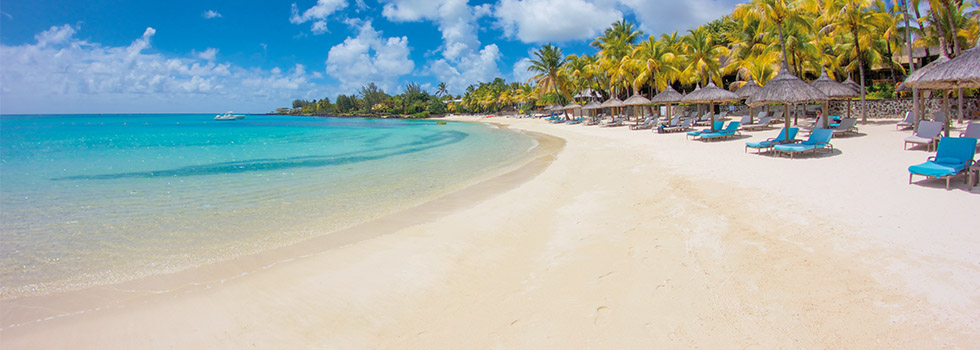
91,200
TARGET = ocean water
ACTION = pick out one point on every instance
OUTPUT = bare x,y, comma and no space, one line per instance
90,200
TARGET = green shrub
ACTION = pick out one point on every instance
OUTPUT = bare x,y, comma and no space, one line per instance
422,114
880,91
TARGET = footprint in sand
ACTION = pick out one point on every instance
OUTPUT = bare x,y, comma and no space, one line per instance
600,316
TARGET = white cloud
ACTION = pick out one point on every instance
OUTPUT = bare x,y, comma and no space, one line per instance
463,62
54,35
209,14
317,14
658,17
63,74
369,58
456,21
469,69
209,54
521,74
540,21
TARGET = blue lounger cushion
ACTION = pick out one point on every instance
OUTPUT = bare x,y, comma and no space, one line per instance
728,131
717,126
936,169
779,139
820,138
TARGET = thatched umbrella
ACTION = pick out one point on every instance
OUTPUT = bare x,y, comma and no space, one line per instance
786,88
710,94
612,103
591,106
636,100
834,91
853,85
572,107
668,96
960,72
912,80
748,89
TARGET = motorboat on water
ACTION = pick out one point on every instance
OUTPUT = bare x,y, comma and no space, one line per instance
229,116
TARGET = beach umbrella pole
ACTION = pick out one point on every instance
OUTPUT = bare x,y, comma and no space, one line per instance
826,114
946,113
960,117
786,115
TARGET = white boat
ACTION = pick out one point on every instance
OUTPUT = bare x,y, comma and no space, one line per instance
229,116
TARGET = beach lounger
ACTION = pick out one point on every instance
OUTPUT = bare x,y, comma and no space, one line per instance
846,126
716,126
972,130
596,120
819,139
745,120
906,123
705,119
761,123
927,134
729,131
618,121
953,156
686,124
576,120
767,144
940,117
777,117
648,122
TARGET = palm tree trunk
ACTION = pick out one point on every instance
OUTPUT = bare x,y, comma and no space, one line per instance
915,91
890,65
782,41
956,49
952,26
857,46
922,27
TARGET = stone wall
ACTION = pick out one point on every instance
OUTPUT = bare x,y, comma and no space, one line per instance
896,108
890,108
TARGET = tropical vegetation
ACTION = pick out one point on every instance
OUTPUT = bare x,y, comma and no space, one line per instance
861,39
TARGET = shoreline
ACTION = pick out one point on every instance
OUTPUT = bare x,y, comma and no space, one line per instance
19,311
625,240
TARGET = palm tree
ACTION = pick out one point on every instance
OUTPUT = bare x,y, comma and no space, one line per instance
548,68
616,41
659,62
854,18
442,91
702,55
776,13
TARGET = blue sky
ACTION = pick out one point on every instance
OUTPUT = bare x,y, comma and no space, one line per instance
114,56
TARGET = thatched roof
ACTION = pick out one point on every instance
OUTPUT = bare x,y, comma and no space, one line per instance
585,93
612,102
592,105
960,72
832,88
669,95
636,100
572,106
550,108
749,89
786,88
913,79
710,93
853,85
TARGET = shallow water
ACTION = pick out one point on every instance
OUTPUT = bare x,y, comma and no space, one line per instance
90,200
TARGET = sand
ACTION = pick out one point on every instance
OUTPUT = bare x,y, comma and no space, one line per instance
623,239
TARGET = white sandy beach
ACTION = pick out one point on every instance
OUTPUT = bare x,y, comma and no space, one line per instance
627,240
